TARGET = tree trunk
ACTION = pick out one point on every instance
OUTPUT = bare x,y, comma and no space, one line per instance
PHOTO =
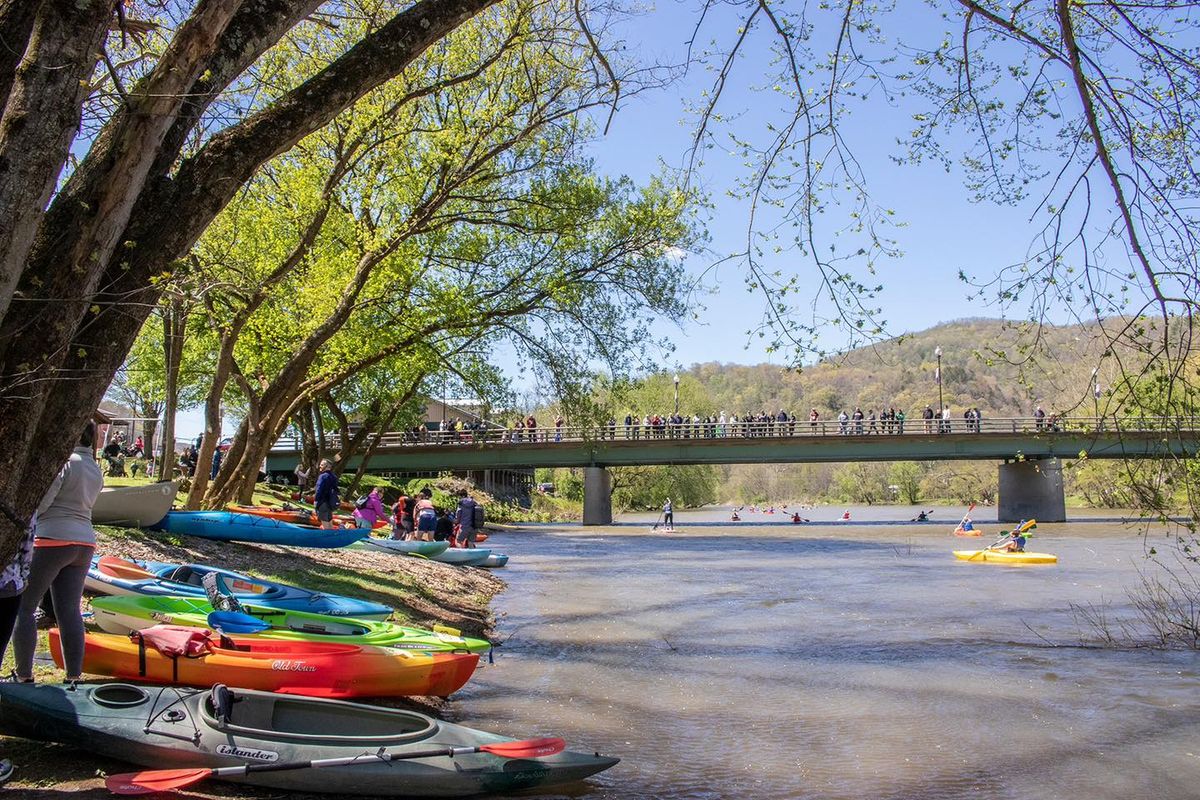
16,24
383,427
41,95
310,453
173,321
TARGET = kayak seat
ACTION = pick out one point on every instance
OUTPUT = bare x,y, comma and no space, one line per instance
185,574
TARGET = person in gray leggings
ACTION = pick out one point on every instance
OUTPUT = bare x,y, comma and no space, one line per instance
62,552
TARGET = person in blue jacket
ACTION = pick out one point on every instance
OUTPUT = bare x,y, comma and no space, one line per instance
327,494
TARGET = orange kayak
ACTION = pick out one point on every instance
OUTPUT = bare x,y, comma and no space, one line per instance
961,532
315,669
300,516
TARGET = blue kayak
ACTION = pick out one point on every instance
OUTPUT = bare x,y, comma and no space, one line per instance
115,576
228,526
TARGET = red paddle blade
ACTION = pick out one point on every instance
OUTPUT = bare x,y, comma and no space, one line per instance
155,780
530,748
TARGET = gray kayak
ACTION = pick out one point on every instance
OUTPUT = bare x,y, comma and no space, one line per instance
173,727
134,506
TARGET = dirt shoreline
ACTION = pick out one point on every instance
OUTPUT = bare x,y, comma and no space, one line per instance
423,593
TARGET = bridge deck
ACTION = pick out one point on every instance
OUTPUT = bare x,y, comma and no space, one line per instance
998,440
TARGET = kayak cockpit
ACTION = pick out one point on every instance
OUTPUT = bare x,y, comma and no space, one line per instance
264,715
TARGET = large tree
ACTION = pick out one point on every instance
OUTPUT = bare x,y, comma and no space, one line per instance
169,150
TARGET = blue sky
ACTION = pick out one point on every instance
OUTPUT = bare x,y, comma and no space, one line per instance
944,232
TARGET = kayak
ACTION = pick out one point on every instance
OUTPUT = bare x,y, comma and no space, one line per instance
109,575
315,669
1005,557
123,615
227,526
134,506
407,546
300,516
494,560
972,532
463,557
143,725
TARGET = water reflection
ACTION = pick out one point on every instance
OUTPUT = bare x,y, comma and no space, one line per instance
835,661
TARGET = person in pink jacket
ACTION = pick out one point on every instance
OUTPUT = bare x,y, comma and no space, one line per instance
373,511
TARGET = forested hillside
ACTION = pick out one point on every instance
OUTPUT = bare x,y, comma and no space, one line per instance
981,367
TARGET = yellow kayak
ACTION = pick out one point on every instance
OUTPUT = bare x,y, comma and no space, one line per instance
1005,557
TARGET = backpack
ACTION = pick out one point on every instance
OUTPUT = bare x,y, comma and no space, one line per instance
477,517
361,502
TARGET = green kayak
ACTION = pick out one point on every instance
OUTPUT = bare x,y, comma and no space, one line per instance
122,614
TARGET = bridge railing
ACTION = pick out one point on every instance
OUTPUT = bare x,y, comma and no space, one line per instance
750,429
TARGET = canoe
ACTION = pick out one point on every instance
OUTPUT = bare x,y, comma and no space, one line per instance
226,526
134,506
123,615
142,726
407,547
463,557
315,669
494,560
1005,557
300,516
109,575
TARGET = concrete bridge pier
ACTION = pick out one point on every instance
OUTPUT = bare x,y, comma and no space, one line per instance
597,496
1032,489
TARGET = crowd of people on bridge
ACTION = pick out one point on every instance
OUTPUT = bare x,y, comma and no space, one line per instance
634,426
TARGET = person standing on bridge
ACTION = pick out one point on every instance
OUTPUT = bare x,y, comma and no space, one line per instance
668,516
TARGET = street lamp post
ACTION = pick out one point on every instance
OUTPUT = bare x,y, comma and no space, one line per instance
677,395
1096,395
937,351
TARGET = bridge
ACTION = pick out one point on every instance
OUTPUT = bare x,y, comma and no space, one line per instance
1030,452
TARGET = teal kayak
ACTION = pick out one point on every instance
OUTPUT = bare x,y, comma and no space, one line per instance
126,614
463,557
406,547
176,728
229,526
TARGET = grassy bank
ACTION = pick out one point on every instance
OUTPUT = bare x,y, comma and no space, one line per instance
422,592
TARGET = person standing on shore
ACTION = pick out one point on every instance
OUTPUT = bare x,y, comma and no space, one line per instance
426,515
466,520
301,477
63,543
326,494
402,517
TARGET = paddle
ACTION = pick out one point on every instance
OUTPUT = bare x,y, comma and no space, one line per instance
120,568
659,522
978,553
165,780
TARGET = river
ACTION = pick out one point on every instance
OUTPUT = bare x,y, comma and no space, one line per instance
836,660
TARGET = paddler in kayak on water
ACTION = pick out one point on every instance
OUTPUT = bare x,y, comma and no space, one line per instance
1016,540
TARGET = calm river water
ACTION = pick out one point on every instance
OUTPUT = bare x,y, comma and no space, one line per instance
837,660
